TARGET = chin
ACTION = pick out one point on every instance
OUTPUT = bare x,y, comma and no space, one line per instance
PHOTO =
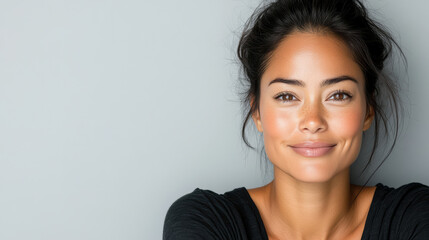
312,178
312,174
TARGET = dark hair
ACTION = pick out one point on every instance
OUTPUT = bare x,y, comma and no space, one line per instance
370,43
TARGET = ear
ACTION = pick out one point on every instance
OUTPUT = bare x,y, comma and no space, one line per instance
368,118
256,118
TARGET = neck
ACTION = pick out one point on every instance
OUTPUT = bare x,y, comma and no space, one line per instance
311,210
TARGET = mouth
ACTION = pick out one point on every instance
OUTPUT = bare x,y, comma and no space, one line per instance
312,149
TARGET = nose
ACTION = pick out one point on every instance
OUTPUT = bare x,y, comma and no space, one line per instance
312,119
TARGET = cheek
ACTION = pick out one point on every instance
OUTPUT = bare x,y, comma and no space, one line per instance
347,123
277,122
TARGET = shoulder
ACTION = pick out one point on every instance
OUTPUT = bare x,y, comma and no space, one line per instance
403,210
408,197
204,214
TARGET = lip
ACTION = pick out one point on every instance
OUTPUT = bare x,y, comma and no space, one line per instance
312,149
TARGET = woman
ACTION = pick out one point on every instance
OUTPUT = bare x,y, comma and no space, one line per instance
314,72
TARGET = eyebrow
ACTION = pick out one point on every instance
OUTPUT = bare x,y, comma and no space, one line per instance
325,82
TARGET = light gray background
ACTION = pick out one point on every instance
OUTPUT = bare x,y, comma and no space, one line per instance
111,110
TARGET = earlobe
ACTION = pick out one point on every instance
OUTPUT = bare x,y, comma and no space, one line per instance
368,119
257,120
256,117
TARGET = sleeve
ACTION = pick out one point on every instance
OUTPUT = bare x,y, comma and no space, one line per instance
415,220
201,214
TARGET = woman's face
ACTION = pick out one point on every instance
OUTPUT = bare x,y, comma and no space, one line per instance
312,108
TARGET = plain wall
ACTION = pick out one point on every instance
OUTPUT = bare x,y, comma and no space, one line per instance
111,110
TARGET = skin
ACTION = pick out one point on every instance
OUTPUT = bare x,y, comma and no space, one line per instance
311,197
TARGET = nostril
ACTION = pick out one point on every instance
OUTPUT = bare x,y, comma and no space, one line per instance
313,125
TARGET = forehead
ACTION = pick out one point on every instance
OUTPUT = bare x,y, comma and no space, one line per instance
311,57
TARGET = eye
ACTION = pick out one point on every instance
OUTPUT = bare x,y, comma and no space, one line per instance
285,97
340,96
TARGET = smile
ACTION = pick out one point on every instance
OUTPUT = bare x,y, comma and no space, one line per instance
312,149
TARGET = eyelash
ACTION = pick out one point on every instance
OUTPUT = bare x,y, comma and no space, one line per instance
282,94
347,96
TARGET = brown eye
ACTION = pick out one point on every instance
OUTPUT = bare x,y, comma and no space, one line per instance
340,96
286,97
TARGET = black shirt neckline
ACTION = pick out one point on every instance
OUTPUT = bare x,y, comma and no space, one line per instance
366,228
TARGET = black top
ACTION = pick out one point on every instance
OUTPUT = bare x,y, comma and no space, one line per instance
401,213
